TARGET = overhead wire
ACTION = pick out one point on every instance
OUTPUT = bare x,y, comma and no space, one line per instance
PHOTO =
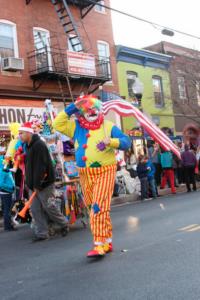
154,24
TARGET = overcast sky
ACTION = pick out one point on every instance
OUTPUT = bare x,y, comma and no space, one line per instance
178,14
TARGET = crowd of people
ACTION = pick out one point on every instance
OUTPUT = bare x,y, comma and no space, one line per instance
159,168
39,179
155,170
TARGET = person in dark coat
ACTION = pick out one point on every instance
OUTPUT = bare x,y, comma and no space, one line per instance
189,162
40,178
142,171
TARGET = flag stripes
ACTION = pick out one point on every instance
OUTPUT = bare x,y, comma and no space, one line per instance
126,109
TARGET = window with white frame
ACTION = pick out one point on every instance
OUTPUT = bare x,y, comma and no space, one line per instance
181,87
8,39
104,57
131,77
42,48
99,8
74,43
158,91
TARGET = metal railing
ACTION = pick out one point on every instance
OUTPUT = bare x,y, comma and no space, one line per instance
54,61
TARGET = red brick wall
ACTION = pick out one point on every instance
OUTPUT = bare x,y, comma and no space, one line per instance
41,13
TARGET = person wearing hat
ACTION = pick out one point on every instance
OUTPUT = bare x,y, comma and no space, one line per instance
96,141
40,178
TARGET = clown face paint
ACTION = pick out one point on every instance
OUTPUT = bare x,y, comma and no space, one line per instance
92,115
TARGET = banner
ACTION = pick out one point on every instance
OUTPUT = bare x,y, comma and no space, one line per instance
81,63
10,114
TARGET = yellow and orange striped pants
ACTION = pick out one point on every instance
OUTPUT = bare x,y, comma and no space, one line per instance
97,186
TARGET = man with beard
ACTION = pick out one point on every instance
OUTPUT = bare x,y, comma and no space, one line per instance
95,143
40,178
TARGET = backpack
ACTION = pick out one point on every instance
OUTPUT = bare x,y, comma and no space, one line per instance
7,183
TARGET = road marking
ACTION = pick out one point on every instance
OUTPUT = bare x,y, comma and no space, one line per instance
194,229
190,228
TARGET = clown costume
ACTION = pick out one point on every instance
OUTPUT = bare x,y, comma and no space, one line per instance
95,141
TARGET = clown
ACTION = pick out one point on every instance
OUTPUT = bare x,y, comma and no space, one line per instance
95,143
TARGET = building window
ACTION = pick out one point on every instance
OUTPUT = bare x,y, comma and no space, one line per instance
198,92
104,58
156,120
158,91
74,40
131,77
8,39
42,49
99,8
181,88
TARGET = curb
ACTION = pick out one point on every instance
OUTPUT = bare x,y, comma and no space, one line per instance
124,199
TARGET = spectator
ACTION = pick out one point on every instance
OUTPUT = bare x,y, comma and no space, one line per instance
132,164
176,165
166,159
154,156
151,179
142,171
7,187
189,164
40,179
198,158
180,172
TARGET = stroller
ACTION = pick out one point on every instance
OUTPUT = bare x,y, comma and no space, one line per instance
121,184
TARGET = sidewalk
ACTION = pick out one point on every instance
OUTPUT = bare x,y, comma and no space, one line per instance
165,192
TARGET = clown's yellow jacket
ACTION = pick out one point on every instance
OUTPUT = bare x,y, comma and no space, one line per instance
90,150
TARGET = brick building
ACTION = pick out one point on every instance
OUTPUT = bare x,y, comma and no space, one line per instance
185,83
39,33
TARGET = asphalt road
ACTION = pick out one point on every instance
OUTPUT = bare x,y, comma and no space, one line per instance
157,256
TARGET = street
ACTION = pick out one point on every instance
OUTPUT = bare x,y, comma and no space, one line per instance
157,256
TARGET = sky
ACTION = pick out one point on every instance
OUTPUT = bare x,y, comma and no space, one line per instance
178,14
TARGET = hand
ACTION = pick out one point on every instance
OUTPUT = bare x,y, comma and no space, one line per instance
80,103
36,191
107,141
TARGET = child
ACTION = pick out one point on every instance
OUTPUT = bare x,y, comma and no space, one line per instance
151,177
142,171
7,187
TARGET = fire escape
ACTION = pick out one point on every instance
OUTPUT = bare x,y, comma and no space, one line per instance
50,61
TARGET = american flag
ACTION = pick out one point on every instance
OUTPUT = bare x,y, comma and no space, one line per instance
126,109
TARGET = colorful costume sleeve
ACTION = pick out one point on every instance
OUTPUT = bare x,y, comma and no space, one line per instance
11,149
119,140
62,122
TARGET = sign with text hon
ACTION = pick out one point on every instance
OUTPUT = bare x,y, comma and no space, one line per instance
10,114
81,63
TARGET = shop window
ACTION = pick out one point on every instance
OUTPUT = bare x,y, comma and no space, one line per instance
99,8
181,88
158,91
8,39
131,77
